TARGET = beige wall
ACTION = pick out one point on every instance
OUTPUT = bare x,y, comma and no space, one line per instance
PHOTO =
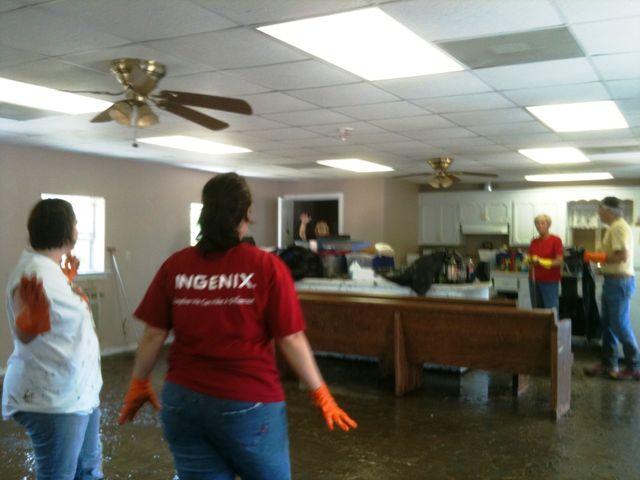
147,207
400,227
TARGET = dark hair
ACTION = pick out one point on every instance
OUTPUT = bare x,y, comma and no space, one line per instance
51,224
226,199
611,202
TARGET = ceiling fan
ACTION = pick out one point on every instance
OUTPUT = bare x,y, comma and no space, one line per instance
140,77
442,176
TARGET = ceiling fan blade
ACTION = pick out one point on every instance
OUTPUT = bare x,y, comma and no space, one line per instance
227,104
477,174
102,117
193,116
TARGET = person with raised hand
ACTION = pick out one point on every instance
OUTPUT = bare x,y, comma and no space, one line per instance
53,377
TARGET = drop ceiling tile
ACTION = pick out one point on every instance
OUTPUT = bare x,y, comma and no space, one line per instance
249,12
313,143
101,59
8,5
308,117
457,148
631,110
12,56
514,48
245,122
444,19
289,76
536,140
429,134
56,74
212,83
464,103
382,110
227,49
405,148
140,20
343,95
579,92
23,29
592,138
579,11
357,128
611,36
539,74
459,142
441,85
502,129
624,88
275,102
21,114
284,134
377,138
486,117
619,66
413,123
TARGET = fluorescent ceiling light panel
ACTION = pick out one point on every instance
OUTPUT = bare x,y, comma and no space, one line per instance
192,144
34,96
569,177
555,156
355,165
580,117
366,42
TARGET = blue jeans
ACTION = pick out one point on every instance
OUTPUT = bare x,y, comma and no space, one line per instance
544,294
66,445
215,439
616,322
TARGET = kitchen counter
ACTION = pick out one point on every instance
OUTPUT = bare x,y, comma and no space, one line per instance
475,290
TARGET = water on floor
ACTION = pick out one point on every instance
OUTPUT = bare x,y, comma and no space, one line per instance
456,427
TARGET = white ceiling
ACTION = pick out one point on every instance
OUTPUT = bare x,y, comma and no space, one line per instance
301,102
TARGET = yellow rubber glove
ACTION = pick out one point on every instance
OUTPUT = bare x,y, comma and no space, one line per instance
34,317
332,413
598,257
140,392
545,262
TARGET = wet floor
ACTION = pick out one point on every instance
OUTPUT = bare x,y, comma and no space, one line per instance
456,427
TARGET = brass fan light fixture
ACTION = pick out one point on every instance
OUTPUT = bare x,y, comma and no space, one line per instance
140,77
442,176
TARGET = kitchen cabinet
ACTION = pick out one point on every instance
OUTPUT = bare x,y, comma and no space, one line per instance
523,229
485,212
439,224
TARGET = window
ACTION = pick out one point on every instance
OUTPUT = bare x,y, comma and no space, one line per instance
194,215
90,245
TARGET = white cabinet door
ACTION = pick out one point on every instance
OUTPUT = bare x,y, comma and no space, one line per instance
439,224
522,227
450,224
472,213
430,218
498,212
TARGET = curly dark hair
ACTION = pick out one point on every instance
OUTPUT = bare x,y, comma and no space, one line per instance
51,224
226,199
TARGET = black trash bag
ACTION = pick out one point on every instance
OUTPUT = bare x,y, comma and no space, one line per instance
302,262
421,274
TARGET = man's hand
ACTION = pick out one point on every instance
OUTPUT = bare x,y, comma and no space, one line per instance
70,267
598,257
305,218
34,317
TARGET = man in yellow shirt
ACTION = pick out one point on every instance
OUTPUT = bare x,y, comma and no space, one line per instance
616,258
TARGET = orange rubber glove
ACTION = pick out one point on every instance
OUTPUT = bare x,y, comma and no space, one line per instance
34,318
70,267
598,257
140,392
332,413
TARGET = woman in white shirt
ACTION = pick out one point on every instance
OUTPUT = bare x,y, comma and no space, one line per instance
53,378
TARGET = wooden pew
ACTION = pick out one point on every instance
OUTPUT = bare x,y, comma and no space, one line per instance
471,333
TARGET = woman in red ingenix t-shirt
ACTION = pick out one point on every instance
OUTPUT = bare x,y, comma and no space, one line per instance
223,410
546,254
